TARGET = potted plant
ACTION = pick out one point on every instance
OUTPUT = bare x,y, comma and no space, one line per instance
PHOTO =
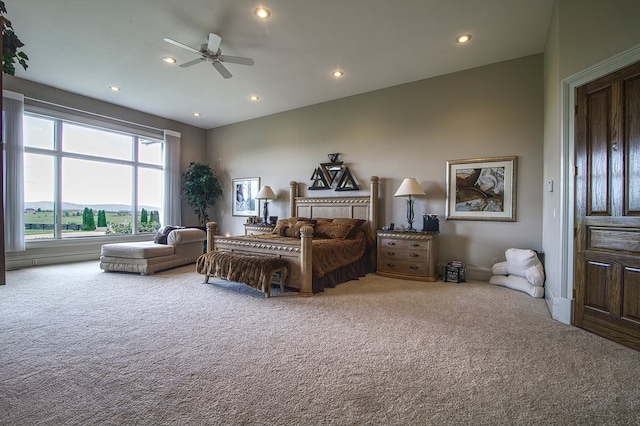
10,45
201,188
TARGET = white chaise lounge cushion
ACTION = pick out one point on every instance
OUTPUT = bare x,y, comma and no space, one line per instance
137,250
186,235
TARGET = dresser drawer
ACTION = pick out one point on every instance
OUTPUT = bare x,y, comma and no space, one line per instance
416,245
394,254
400,267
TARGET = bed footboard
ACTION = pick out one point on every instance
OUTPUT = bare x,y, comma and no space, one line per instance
299,255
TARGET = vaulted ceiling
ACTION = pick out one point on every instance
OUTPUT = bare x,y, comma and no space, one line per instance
87,46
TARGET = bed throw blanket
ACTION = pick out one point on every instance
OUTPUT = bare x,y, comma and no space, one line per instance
254,271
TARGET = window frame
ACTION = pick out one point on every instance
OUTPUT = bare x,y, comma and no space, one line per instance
136,132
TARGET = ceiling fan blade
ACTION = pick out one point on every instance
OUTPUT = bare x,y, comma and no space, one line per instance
184,46
214,42
236,60
221,69
195,61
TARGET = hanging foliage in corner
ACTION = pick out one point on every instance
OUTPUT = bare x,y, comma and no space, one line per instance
333,175
10,45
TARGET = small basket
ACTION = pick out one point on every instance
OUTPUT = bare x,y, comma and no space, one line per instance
454,273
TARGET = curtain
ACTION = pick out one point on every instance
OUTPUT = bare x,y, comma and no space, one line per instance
171,197
13,108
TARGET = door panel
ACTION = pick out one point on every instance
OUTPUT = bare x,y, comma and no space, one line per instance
607,278
631,290
632,123
598,147
598,286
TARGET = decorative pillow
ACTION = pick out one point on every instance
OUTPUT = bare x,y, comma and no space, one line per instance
283,231
516,282
525,263
294,231
519,260
340,231
290,222
279,225
500,268
322,228
163,233
357,223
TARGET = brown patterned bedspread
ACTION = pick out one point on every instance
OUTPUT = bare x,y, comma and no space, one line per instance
328,254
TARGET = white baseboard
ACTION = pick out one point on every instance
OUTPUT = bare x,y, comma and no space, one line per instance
478,273
561,308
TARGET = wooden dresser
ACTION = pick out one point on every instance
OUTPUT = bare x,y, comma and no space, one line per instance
408,255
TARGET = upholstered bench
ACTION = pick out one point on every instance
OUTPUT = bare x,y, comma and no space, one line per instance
255,271
183,246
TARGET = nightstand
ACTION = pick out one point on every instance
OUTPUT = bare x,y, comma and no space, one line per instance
257,229
408,255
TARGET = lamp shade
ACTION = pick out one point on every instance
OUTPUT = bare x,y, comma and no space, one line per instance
410,186
266,193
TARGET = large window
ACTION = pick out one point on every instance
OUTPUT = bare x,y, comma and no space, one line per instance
83,180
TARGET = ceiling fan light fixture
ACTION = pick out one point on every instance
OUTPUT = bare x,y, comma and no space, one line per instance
169,60
463,38
262,12
337,73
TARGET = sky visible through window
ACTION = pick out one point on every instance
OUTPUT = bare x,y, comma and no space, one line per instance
85,181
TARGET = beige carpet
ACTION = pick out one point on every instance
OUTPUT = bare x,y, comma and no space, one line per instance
81,346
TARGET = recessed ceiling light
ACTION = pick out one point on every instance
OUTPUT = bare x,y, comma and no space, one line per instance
262,12
196,114
254,97
463,38
114,88
337,73
169,60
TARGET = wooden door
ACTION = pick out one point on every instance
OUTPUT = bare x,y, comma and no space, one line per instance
607,278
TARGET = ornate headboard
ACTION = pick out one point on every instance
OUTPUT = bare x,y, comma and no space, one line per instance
362,207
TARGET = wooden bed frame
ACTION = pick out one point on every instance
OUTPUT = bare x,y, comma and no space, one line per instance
299,252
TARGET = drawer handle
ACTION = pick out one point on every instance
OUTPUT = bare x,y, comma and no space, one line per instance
414,255
391,243
415,245
391,265
391,253
413,267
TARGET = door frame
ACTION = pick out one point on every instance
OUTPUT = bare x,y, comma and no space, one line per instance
562,307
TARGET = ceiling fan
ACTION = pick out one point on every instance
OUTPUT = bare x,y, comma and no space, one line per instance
210,51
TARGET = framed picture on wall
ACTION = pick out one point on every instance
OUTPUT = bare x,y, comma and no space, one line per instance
482,189
244,201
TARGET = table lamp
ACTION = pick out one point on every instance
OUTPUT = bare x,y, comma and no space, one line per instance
409,187
266,194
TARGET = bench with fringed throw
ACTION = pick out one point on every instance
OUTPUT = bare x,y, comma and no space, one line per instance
254,271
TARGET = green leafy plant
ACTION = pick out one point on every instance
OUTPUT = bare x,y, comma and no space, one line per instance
201,188
125,228
10,45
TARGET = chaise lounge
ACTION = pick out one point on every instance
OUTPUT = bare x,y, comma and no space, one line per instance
183,246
